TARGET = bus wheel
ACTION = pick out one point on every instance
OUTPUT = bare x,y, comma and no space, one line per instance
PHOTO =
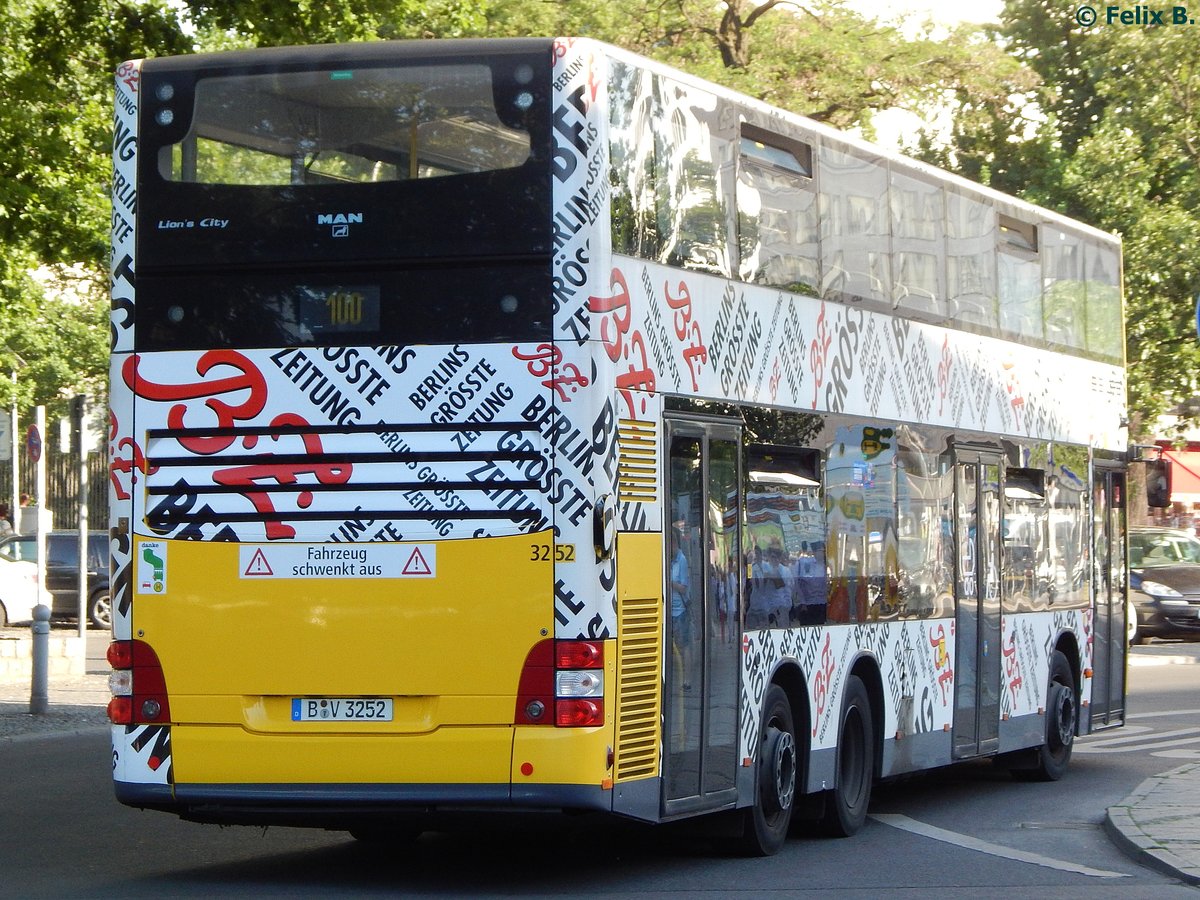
846,805
765,826
1062,713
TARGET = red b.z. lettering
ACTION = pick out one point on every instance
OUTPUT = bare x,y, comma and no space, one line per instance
246,377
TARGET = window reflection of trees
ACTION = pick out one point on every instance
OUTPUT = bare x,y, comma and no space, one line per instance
372,125
633,164
778,219
849,226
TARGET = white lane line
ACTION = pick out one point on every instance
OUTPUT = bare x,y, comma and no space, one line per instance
1178,754
1169,712
904,823
1136,738
1132,748
1104,735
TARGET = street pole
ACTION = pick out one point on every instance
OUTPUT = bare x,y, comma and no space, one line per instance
79,416
42,511
14,508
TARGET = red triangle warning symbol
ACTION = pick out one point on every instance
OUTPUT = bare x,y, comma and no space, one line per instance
416,564
258,564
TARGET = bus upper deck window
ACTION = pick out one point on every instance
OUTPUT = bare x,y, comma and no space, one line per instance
348,126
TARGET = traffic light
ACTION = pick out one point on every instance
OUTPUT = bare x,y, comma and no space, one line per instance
78,422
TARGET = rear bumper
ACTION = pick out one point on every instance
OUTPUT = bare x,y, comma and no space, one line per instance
228,775
349,805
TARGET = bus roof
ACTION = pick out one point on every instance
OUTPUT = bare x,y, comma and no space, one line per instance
373,51
1015,204
330,54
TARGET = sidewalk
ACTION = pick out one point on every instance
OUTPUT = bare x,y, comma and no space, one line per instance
1158,825
76,704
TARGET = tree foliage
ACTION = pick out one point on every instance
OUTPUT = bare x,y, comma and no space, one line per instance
819,59
1112,137
1109,135
56,65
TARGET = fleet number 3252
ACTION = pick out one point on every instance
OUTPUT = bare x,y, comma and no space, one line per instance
563,553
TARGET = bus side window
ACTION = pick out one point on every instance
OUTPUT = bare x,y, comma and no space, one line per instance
690,198
777,212
785,537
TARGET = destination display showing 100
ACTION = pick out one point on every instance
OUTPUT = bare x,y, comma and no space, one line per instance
326,310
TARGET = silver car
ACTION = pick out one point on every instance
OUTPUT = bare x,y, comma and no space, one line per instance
1164,583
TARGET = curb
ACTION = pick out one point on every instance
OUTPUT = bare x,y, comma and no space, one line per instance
1124,831
1145,661
52,734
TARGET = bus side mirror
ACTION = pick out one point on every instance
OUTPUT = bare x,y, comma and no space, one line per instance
604,526
1158,483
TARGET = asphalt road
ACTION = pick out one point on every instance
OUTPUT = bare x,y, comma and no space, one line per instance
64,835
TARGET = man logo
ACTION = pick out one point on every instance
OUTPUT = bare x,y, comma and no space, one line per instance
339,218
339,223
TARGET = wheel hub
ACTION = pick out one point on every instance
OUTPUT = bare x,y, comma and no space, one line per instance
780,770
1063,726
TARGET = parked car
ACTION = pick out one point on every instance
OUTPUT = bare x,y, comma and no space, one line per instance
18,591
1164,582
62,571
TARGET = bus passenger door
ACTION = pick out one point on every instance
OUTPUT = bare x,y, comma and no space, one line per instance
703,561
977,603
1109,634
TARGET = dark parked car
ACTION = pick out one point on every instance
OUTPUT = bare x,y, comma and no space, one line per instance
62,571
1164,583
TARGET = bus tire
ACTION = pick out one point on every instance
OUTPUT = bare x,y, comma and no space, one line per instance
1062,714
765,824
846,805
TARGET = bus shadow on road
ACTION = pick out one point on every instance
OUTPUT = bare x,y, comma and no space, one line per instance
532,854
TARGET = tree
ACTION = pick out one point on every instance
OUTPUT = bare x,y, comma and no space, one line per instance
272,23
1114,140
56,66
816,58
819,59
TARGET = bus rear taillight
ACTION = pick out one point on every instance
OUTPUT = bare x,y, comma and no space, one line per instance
562,683
138,686
578,713
579,655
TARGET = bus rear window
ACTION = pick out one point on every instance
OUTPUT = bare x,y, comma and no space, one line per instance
347,126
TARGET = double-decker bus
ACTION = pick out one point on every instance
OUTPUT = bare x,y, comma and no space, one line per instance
527,425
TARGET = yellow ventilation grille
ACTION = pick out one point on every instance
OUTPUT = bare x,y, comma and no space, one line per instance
637,462
639,665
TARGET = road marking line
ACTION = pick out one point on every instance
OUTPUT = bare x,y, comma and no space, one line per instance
1131,748
1169,712
1135,738
904,823
1104,735
1193,753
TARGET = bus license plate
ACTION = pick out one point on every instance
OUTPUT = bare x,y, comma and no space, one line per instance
341,709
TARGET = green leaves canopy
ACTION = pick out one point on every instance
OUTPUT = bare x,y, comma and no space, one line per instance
1112,139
